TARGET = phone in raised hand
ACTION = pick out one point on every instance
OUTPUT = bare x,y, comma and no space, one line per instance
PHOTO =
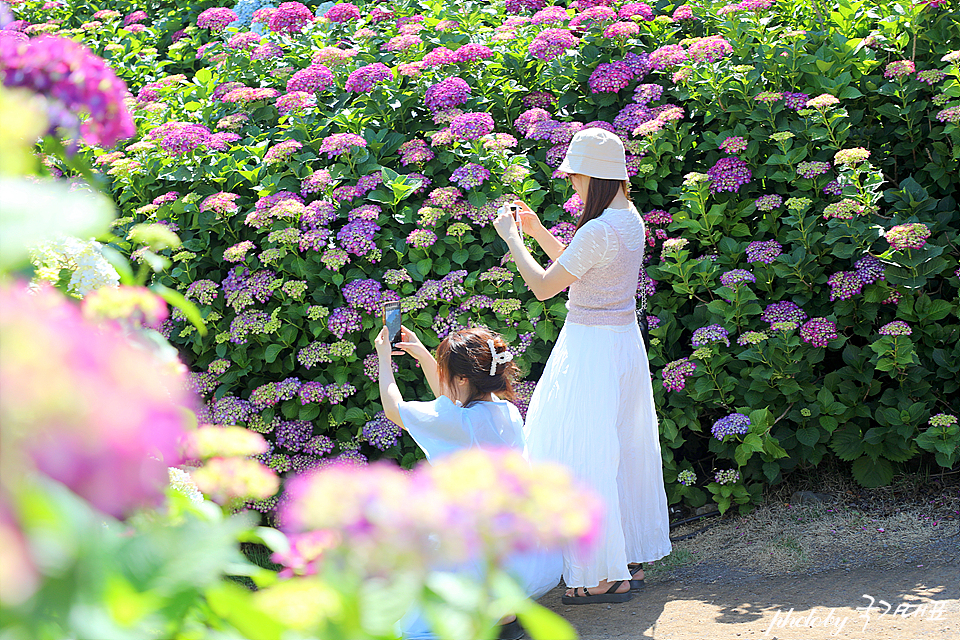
514,211
392,318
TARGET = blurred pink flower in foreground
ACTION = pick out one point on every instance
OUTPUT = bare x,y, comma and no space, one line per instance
74,81
480,504
84,406
229,475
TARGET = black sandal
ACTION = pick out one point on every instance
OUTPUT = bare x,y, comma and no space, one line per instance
635,583
589,598
511,631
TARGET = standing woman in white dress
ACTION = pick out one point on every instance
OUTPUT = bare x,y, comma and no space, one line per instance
593,407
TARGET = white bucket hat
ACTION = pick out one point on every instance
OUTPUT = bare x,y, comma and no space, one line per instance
596,153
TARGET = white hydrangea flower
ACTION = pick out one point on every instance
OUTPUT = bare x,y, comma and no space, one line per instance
181,481
90,269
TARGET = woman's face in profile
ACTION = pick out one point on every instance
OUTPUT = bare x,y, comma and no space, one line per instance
580,183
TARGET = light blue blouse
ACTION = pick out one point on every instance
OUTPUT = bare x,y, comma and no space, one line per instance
441,427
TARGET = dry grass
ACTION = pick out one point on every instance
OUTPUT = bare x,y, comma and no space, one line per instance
878,527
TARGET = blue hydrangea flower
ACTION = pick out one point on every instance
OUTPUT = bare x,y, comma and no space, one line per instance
711,333
733,424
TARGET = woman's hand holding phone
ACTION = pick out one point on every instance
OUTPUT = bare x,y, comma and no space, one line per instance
529,221
382,344
410,343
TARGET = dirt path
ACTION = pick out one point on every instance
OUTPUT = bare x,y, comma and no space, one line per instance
796,573
815,607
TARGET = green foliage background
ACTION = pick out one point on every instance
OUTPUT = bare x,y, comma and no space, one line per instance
864,398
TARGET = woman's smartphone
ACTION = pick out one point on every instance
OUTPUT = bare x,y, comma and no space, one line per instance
514,211
392,320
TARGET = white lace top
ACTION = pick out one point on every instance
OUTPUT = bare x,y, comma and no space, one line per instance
605,255
596,244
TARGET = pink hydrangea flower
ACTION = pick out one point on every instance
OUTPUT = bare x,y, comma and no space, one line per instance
77,80
343,12
290,17
118,418
216,18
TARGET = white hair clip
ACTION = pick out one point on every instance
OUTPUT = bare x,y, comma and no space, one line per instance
497,358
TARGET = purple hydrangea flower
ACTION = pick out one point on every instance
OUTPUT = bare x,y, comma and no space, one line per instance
526,120
574,206
833,188
183,138
550,43
266,50
728,174
733,424
357,237
363,294
769,202
734,144
610,77
907,236
471,52
647,93
657,217
555,155
736,277
844,285
290,17
641,9
675,374
631,116
470,175
540,100
765,251
343,12
895,328
795,101
668,56
899,69
709,334
869,269
421,238
472,126
447,93
439,57
381,432
709,49
281,151
415,151
818,331
621,30
784,311
402,42
362,80
215,18
312,79
293,435
344,320
591,16
222,141
812,169
549,15
340,143
516,6
246,40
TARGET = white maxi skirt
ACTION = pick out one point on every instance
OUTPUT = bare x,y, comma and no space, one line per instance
593,411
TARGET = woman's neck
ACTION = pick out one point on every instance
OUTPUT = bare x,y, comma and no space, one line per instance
462,397
620,202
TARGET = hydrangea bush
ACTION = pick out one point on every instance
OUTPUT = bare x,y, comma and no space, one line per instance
796,169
